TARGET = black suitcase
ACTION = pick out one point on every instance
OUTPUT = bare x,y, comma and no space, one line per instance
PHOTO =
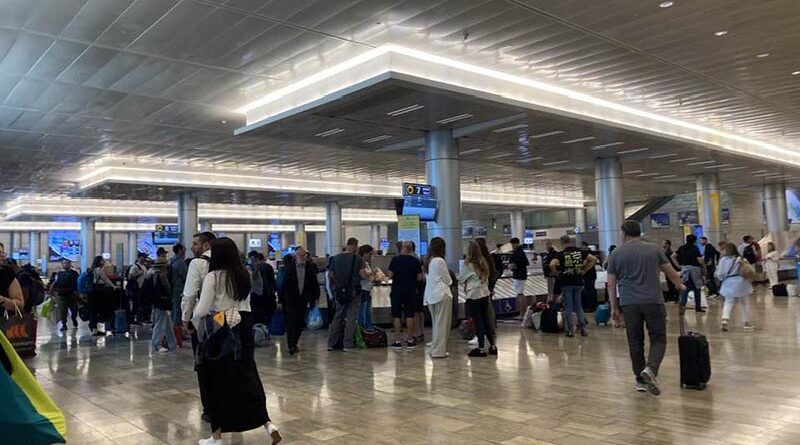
779,290
550,320
694,357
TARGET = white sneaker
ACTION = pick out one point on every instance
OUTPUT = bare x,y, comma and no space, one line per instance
474,341
210,441
163,350
273,432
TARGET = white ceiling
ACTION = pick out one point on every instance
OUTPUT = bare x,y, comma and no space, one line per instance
161,78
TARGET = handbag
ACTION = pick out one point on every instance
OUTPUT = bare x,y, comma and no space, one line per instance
277,325
217,339
20,330
27,413
314,318
343,293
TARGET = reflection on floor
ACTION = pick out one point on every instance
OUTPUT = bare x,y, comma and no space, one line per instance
541,389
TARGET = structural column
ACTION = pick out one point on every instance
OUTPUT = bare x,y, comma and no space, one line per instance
442,171
300,235
187,217
88,250
133,247
580,224
775,208
610,201
375,236
517,224
708,206
205,226
33,247
333,228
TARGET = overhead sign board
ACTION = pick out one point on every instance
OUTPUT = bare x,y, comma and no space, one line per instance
411,189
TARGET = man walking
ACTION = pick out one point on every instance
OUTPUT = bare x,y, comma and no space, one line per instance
635,267
65,286
711,257
177,280
519,267
345,273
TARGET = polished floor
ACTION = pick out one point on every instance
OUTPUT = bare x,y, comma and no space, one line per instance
542,389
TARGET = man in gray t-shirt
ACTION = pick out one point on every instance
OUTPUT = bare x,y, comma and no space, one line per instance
346,270
634,269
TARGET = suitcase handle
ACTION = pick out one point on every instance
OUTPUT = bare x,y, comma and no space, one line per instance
681,318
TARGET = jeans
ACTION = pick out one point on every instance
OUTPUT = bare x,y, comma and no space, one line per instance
365,310
744,304
484,326
345,317
571,296
690,286
654,317
162,327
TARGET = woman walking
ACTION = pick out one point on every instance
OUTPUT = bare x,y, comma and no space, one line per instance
771,262
475,279
438,297
733,272
100,298
235,396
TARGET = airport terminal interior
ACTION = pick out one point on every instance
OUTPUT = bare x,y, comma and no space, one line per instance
399,222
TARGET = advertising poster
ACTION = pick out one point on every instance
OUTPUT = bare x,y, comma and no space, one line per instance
658,220
688,218
726,216
64,244
408,228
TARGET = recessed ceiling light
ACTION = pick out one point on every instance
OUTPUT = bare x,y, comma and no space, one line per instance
513,127
382,137
610,144
457,117
795,73
572,141
405,110
762,55
666,4
223,121
331,132
634,150
544,135
555,162
720,33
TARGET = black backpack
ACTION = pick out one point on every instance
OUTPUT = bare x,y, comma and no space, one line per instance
29,279
749,254
550,320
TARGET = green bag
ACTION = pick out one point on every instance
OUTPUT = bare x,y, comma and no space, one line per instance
47,308
27,414
359,339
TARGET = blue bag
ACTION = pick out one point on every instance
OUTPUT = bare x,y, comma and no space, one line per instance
280,280
121,321
314,319
85,282
277,325
603,314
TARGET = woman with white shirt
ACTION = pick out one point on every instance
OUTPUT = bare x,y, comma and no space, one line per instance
234,394
772,261
734,285
475,279
438,297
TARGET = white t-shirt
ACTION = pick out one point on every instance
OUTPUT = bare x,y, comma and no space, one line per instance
214,296
437,281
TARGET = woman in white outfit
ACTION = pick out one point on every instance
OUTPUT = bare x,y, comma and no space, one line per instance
438,297
734,286
772,260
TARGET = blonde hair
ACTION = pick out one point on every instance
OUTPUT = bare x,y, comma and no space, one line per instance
478,260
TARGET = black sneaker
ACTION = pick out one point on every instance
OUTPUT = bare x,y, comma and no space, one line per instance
477,352
570,334
74,323
493,350
584,333
700,311
98,334
411,344
397,346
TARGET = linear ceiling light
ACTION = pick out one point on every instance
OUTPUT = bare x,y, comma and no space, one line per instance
382,137
668,155
405,110
500,155
730,169
556,162
455,118
572,141
633,150
513,127
397,62
548,134
331,132
610,144
681,160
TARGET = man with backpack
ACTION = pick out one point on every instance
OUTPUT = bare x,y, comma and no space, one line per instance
750,250
156,291
136,274
64,285
571,264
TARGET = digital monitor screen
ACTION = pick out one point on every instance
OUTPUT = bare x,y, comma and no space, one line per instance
64,244
423,248
166,234
419,205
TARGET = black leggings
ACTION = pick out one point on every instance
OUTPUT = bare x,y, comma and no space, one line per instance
479,311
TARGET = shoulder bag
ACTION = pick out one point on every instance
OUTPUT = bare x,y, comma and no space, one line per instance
343,293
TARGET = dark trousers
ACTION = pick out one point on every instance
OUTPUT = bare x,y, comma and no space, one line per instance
201,374
100,308
654,317
672,291
343,326
295,318
691,286
711,282
484,326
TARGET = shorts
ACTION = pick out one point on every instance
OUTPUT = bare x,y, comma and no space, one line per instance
519,287
404,306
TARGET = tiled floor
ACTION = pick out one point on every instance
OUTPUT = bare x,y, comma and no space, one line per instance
542,389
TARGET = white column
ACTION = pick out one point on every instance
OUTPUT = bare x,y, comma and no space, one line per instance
517,224
610,201
300,235
580,223
374,236
187,217
33,247
442,172
133,247
775,207
708,207
333,228
88,250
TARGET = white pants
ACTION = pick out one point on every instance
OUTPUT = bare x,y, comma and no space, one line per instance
744,303
441,317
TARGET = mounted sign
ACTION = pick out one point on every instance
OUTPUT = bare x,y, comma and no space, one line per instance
411,189
166,234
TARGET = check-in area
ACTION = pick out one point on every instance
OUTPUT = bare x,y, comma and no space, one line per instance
379,222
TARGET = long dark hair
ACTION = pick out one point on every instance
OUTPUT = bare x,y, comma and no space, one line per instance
96,262
436,248
225,257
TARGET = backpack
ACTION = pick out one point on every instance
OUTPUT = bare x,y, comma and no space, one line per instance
147,292
29,279
749,254
64,284
85,282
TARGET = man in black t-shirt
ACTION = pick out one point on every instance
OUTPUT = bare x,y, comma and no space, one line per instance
571,265
64,285
519,268
692,265
548,256
405,270
711,257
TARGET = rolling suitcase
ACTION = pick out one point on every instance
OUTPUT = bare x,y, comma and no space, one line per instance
603,314
695,361
780,290
121,325
549,322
